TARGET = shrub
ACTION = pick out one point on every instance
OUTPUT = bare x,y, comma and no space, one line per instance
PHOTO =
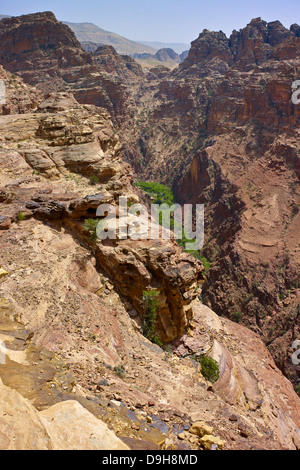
150,304
160,193
94,180
297,389
209,368
21,216
120,371
237,317
90,225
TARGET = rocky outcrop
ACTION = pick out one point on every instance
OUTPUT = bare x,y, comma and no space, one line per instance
36,33
18,98
76,138
209,46
80,139
65,426
46,54
122,66
71,313
160,266
222,130
167,55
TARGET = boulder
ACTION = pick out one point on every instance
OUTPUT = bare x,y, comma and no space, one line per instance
212,443
64,426
201,429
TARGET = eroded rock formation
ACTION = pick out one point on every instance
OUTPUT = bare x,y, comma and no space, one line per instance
71,310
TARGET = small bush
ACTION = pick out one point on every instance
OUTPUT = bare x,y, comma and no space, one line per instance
209,369
150,304
119,371
21,216
297,389
237,317
161,194
90,225
94,180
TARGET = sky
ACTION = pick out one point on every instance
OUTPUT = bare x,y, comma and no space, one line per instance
161,20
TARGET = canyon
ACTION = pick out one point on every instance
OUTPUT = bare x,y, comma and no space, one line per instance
79,129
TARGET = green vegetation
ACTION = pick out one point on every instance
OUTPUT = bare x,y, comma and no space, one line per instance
237,317
21,216
297,389
94,180
150,304
162,194
119,371
90,225
209,368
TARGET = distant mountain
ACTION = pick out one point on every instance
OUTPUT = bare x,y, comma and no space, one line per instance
177,47
4,16
184,55
90,33
90,46
167,55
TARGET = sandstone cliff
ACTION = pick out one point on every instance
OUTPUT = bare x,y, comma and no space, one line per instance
221,131
71,314
46,54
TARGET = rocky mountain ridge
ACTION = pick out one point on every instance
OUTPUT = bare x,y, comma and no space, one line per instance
66,300
71,308
89,32
227,129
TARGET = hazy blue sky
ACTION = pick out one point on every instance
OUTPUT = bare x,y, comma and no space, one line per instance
161,20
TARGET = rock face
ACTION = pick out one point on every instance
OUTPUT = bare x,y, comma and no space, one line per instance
46,54
71,309
123,66
72,427
18,97
222,129
70,312
165,55
159,266
47,35
65,426
80,139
